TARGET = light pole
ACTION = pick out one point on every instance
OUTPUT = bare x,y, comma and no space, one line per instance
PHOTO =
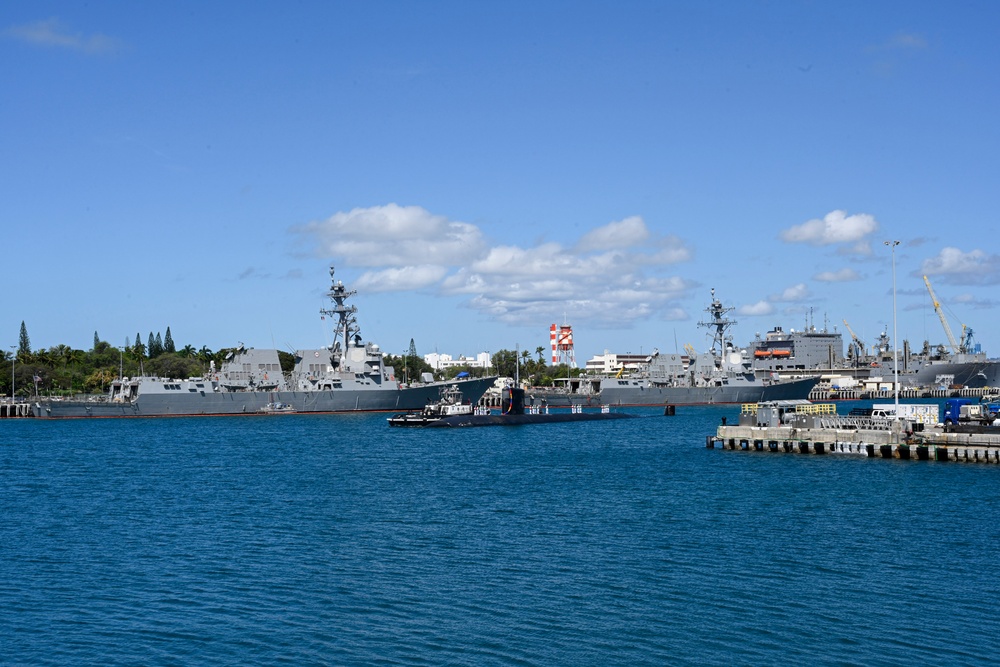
121,362
13,357
895,339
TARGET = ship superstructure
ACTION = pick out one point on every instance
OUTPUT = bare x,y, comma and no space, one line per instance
723,374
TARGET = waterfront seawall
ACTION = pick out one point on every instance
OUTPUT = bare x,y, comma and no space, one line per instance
931,444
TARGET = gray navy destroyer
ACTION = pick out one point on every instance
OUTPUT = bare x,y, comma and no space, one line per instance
724,374
348,376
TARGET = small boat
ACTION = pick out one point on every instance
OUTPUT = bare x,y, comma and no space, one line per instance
449,404
277,408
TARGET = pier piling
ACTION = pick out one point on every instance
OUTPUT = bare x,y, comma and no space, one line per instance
888,439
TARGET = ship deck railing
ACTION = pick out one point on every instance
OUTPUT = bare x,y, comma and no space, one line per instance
798,407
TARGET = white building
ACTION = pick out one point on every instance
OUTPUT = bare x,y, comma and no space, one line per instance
441,361
610,363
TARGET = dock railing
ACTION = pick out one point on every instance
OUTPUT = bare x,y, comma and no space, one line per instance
855,423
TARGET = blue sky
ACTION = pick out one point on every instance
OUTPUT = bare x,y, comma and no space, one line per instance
479,171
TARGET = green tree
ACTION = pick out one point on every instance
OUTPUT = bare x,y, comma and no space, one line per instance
527,367
5,387
60,352
287,361
98,380
168,343
24,345
138,349
173,366
505,361
97,340
186,351
406,368
409,363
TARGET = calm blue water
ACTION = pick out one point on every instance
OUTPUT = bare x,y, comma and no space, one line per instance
335,540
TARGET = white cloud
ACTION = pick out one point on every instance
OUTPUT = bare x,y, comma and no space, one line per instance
793,293
861,248
613,275
622,234
756,309
975,267
407,277
668,250
53,33
842,276
836,227
393,235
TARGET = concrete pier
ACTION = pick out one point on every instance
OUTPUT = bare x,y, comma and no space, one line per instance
932,443
10,410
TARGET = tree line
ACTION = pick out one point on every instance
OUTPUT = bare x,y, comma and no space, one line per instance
505,363
62,370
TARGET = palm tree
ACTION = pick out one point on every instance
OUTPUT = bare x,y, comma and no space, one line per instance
60,352
43,357
187,351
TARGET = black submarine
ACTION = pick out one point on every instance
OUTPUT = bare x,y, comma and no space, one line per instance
512,413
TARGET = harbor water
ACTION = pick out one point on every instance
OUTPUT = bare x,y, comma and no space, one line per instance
335,540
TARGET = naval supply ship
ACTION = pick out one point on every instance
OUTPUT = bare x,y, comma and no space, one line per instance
348,376
724,374
812,351
960,363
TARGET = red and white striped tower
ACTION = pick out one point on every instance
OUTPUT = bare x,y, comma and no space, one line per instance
561,340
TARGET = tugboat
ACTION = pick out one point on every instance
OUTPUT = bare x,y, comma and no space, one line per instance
450,404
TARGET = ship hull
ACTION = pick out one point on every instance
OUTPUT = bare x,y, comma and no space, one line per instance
252,403
635,393
976,374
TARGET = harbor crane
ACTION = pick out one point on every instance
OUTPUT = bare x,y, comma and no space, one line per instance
955,347
859,347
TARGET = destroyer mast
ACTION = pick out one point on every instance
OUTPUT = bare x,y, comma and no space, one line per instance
347,324
719,324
